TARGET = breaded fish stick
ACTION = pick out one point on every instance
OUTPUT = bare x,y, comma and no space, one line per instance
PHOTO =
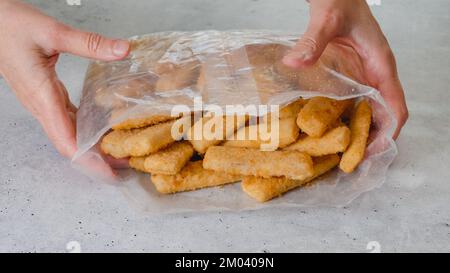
317,115
142,122
150,139
191,177
137,163
332,142
210,131
176,76
288,111
359,127
114,142
254,136
244,161
264,189
169,160
268,82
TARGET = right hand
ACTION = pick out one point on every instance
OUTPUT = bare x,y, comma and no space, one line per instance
351,23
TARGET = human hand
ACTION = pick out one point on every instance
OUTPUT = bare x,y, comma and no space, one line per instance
351,23
30,44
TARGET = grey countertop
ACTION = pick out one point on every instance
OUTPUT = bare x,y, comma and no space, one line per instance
45,204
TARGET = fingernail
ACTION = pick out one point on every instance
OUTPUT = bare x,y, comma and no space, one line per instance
120,48
307,55
300,55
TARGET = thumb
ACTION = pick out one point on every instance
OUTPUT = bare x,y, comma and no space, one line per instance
91,45
311,45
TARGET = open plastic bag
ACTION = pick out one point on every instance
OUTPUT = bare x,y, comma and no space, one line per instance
135,87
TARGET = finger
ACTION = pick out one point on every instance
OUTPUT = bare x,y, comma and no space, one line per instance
69,105
321,30
71,109
381,70
392,92
115,163
382,74
90,45
56,119
93,164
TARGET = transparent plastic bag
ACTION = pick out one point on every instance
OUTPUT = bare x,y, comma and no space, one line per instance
222,69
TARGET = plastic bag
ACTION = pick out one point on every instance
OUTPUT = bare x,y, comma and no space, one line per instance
116,91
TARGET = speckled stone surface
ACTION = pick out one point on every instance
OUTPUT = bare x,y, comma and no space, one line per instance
44,203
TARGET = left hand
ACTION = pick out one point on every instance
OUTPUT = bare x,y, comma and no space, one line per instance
30,44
